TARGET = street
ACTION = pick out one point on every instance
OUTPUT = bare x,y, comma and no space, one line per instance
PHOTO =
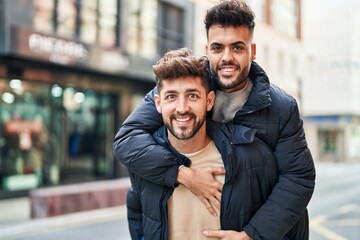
334,212
335,207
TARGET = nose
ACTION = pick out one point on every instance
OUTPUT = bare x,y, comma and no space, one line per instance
227,56
182,106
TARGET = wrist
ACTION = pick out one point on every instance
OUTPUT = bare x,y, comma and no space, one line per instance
244,236
183,173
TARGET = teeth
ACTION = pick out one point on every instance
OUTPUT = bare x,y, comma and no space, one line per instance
182,119
228,69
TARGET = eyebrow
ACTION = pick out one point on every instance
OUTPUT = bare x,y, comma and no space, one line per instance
232,44
187,91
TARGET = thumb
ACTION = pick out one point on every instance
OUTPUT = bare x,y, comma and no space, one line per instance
212,233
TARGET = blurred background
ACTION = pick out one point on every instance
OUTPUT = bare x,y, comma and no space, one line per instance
71,71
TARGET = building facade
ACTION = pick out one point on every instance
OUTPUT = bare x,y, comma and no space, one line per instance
331,87
70,72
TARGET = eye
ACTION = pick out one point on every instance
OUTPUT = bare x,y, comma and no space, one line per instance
238,48
193,96
170,97
216,48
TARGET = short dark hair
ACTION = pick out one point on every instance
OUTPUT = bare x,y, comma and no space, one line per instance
230,13
180,63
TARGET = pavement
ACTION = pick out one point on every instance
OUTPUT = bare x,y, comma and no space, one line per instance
335,214
15,221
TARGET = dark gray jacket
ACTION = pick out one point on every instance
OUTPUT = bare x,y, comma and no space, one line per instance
275,116
251,174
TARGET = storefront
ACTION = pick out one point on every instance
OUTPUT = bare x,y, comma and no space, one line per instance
334,138
61,103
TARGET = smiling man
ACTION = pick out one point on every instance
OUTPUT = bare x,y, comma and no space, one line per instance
183,99
244,95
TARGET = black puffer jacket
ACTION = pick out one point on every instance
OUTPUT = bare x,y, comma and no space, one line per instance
251,173
275,115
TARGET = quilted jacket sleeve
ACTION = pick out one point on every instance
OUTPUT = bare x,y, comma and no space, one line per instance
290,196
135,147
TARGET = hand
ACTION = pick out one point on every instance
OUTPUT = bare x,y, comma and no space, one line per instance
203,184
227,234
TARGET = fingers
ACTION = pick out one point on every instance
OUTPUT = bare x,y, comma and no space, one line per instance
215,201
217,170
226,234
208,206
213,233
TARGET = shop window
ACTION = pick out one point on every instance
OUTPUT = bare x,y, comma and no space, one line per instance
328,139
26,154
52,134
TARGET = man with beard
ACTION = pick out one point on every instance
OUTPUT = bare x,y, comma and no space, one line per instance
244,96
183,99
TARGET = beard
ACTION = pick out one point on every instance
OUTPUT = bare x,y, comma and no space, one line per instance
186,132
225,82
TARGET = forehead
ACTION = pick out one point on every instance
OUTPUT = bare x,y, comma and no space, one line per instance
219,33
182,84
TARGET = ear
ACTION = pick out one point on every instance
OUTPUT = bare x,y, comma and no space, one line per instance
210,100
157,102
253,51
206,49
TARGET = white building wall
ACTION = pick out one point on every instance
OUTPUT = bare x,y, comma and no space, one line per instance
201,7
331,84
281,57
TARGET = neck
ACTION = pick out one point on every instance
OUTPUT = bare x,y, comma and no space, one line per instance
237,88
191,145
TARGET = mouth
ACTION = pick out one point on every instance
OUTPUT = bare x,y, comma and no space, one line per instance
227,70
182,120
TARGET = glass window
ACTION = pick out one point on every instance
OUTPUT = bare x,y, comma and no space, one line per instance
43,16
107,23
285,16
91,21
258,6
24,135
88,16
171,29
66,18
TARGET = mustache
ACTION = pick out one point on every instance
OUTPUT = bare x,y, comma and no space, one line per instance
228,64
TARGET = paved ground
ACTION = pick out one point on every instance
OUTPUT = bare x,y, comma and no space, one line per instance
15,223
337,223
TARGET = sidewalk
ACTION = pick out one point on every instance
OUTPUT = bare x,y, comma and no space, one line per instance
15,220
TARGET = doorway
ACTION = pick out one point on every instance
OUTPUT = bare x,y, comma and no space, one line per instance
88,121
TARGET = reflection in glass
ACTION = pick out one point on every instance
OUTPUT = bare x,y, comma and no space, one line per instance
88,16
8,97
56,91
43,16
107,23
66,18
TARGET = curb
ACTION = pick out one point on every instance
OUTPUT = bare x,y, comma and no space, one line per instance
50,224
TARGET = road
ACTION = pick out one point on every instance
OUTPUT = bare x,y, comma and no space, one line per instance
334,212
335,207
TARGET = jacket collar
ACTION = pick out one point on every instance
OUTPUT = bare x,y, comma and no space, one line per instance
235,134
161,138
259,96
218,132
